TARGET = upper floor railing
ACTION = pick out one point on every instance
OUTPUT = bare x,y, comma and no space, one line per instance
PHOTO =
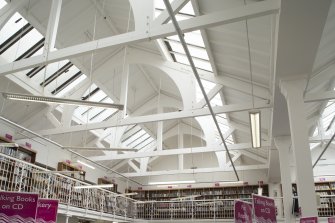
20,176
17,175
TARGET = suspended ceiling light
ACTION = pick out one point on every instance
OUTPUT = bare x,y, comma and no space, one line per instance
255,127
192,197
126,194
172,182
57,171
9,144
167,186
229,183
99,148
33,98
94,186
85,164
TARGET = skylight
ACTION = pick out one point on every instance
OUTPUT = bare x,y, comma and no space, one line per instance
2,3
328,117
90,115
14,24
193,39
224,127
20,40
207,85
136,137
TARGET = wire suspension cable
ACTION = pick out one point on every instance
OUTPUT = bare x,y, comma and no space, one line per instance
195,72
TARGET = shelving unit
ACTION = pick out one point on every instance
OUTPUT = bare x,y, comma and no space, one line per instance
14,174
194,200
79,174
201,193
21,152
327,204
326,188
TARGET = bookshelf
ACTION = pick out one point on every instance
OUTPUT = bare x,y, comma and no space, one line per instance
327,204
21,152
199,193
13,175
200,208
63,166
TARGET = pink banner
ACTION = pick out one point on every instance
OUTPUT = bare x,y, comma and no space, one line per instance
47,211
309,220
331,220
242,212
18,207
264,209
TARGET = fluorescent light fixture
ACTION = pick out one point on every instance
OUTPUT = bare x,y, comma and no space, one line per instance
255,127
57,171
94,186
9,144
185,198
172,182
100,148
167,186
227,183
85,164
33,98
126,194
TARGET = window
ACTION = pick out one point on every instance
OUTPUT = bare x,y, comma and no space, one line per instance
2,3
328,117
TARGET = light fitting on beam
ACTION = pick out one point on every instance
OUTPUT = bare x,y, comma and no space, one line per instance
56,171
100,148
126,194
172,182
94,186
255,128
33,98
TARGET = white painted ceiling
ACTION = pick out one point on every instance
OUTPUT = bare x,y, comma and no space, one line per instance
240,70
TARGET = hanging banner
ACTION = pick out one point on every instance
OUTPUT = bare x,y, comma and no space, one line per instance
242,212
47,211
264,209
18,207
309,220
331,220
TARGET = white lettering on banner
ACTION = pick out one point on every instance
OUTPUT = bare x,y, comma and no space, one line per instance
264,203
17,206
22,199
7,198
41,205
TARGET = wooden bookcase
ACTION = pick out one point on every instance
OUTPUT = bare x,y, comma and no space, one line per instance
21,152
63,166
12,175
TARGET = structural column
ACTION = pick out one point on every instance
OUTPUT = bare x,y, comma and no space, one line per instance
293,92
283,146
